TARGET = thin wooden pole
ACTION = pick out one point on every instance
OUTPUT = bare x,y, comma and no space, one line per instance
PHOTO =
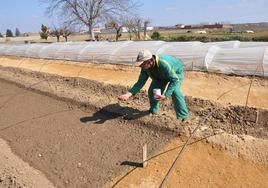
144,156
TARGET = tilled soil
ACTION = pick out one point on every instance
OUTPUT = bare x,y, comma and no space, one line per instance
232,119
74,148
91,138
15,173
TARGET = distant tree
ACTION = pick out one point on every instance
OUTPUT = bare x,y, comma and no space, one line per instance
130,24
9,33
56,32
63,30
117,25
44,32
156,36
90,12
145,25
17,32
137,28
1,36
66,32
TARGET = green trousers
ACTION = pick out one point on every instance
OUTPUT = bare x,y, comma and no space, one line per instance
177,98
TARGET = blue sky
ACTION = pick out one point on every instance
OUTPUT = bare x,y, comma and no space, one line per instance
28,15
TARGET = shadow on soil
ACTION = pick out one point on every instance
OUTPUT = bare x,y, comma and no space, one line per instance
133,164
114,111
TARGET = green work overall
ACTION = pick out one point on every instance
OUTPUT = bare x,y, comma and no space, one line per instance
169,70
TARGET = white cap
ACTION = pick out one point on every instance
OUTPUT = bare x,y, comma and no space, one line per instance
143,55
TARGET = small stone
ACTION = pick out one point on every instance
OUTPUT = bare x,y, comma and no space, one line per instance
79,165
39,155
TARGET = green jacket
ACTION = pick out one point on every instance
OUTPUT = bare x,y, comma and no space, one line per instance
169,69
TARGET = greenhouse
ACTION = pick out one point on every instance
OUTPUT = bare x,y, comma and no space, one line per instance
232,57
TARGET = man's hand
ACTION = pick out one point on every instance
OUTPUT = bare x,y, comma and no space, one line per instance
125,96
160,97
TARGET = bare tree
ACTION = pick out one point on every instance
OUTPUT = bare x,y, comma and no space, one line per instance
90,12
63,30
66,33
56,32
117,25
137,27
145,25
129,23
112,24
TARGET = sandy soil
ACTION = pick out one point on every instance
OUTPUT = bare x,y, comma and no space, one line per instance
221,88
72,142
201,166
15,173
232,119
73,148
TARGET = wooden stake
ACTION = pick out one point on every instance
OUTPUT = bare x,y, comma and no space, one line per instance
144,156
257,116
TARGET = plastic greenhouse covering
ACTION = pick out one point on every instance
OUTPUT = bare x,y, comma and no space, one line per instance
232,57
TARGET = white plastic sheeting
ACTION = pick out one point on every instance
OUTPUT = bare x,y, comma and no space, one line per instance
243,61
232,57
